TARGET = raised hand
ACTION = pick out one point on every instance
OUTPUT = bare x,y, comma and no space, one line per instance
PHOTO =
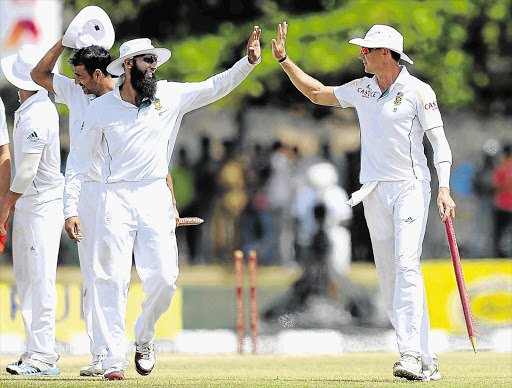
253,46
278,46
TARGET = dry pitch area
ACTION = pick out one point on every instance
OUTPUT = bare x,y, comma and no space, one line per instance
460,369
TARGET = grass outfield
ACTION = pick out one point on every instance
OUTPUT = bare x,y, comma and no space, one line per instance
460,369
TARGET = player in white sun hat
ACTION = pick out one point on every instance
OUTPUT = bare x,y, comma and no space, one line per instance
37,226
395,111
138,123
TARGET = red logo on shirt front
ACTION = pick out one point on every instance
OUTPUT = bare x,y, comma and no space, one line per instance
366,93
431,105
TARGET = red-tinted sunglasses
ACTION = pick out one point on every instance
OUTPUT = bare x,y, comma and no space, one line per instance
365,50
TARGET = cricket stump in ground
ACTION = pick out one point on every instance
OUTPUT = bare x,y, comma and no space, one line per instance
239,279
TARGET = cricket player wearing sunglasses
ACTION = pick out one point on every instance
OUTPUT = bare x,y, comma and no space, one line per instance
395,111
137,124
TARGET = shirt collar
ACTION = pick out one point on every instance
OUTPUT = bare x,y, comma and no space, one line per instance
403,76
39,96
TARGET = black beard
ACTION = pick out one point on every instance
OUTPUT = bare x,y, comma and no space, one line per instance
144,86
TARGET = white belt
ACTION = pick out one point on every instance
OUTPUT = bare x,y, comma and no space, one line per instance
362,193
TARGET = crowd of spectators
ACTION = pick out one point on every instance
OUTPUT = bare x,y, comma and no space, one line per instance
264,200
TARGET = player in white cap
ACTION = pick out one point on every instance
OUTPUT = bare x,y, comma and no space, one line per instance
139,123
395,111
37,226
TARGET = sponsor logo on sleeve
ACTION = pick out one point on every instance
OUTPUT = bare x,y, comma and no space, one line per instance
431,105
33,137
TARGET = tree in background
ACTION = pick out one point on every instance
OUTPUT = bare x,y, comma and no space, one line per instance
463,48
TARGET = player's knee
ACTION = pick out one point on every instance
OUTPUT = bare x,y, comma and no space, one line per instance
408,263
165,282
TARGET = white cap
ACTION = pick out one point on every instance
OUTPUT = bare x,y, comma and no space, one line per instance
382,36
17,67
136,47
91,26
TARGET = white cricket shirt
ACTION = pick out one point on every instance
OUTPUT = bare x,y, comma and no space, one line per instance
140,140
392,126
36,131
4,133
77,101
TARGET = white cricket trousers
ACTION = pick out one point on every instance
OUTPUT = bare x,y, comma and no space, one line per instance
396,214
137,217
88,207
37,229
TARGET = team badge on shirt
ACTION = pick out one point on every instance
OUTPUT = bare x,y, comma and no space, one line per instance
157,104
398,98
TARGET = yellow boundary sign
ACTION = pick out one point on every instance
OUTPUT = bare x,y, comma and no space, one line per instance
489,285
69,317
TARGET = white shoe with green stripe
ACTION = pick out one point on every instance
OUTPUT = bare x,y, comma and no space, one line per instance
431,372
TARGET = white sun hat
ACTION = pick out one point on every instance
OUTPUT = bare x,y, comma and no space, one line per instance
17,67
136,47
382,36
91,26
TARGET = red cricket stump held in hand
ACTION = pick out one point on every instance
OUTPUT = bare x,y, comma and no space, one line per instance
239,280
461,284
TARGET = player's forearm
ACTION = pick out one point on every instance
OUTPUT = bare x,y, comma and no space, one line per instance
72,187
171,187
442,155
9,200
220,85
26,173
443,174
42,73
306,84
5,169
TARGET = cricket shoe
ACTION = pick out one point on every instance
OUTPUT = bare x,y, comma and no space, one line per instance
33,367
10,368
95,367
431,372
144,358
409,367
114,373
